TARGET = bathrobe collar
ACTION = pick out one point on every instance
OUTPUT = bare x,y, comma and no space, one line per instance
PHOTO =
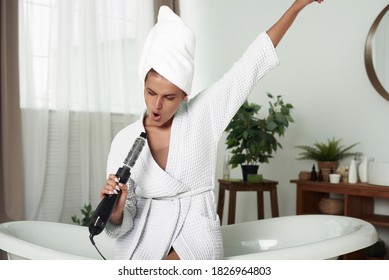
147,173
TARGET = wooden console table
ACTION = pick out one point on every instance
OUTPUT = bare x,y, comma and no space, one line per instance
239,186
358,199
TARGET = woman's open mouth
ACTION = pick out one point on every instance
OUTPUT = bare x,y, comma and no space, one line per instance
155,116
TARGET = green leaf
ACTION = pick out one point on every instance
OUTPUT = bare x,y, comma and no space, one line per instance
331,150
251,138
271,126
87,213
281,118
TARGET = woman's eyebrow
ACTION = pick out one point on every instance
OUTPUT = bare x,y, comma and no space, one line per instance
149,89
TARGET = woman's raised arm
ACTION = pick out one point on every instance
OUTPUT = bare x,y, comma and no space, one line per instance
278,30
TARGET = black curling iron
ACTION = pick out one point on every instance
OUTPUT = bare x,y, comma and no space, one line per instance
104,209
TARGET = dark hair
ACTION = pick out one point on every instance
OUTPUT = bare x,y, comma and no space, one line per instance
150,71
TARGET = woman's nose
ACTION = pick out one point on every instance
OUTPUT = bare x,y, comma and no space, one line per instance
158,103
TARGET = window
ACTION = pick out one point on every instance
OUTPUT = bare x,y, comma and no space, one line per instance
78,86
81,55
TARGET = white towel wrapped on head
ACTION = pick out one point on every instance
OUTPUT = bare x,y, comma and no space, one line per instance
169,49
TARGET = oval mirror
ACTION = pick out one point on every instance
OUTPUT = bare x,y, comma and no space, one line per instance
377,53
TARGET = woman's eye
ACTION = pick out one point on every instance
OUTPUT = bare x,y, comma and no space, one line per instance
170,97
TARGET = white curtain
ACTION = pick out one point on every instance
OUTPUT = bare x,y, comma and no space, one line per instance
79,86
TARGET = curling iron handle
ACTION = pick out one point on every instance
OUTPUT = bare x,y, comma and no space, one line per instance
104,210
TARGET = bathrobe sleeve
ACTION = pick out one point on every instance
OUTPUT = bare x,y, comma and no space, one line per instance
225,96
116,231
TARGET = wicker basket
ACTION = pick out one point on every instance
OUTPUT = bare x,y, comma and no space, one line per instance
332,206
305,175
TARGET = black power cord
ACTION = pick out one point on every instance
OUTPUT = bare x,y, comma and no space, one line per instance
94,244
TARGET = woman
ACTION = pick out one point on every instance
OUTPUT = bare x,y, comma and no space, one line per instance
167,210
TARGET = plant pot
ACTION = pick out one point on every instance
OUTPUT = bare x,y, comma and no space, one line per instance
249,169
325,167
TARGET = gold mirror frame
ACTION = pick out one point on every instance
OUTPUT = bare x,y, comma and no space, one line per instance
369,56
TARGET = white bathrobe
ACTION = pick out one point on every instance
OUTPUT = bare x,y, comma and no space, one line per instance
176,207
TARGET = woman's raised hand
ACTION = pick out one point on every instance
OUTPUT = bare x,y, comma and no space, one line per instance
307,2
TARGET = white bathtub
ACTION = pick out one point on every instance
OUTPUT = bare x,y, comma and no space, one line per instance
303,237
293,237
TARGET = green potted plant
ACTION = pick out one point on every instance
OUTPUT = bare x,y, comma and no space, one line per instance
377,251
327,154
253,140
87,214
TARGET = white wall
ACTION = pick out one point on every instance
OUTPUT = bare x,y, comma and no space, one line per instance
322,74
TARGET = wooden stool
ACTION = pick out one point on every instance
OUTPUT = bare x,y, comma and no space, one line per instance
240,186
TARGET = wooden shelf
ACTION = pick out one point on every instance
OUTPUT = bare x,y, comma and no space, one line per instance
358,199
377,220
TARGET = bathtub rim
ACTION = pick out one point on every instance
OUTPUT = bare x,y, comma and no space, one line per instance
17,247
329,252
